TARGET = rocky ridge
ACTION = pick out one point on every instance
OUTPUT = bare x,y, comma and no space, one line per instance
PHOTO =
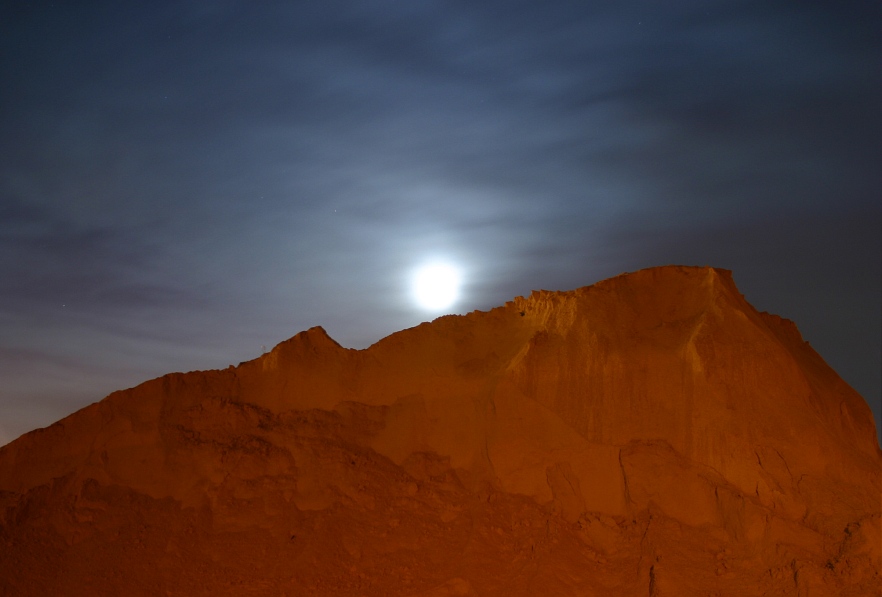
652,434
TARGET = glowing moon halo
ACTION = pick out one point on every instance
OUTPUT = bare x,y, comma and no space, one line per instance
436,286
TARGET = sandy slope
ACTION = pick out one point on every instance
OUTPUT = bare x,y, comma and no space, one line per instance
651,434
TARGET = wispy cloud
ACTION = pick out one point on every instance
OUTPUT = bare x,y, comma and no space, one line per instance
206,177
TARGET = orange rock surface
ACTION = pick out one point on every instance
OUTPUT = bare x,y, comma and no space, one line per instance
651,435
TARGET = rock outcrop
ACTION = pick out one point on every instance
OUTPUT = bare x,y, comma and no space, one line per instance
652,434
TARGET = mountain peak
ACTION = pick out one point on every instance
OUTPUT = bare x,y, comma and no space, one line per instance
650,430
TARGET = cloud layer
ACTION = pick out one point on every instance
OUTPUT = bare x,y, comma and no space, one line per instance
181,184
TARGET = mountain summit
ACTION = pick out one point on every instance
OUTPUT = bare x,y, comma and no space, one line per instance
650,435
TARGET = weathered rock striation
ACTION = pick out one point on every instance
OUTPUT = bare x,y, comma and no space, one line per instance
652,434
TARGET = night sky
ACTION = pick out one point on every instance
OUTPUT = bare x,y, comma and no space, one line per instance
185,183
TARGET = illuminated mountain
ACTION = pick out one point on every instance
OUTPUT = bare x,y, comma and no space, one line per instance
652,434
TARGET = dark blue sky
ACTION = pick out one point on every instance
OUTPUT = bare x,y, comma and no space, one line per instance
182,183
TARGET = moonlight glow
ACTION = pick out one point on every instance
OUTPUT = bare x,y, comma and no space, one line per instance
436,286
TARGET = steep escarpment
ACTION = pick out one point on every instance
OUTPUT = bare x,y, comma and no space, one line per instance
651,434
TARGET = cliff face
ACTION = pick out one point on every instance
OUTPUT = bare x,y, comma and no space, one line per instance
652,434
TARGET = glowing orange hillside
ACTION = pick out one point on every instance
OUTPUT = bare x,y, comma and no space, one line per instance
652,434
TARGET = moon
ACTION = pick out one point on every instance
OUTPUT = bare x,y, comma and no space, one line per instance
435,286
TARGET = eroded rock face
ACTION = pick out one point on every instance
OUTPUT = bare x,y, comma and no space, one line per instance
652,434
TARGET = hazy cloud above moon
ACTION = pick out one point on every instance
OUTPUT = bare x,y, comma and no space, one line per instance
182,183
